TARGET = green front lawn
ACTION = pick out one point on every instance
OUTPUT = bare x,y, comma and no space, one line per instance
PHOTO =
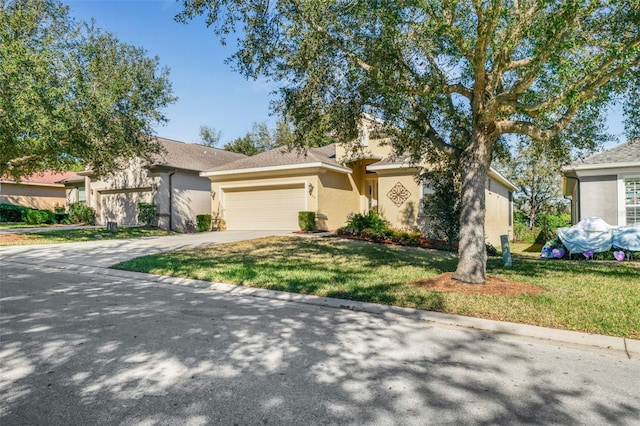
597,297
21,225
79,235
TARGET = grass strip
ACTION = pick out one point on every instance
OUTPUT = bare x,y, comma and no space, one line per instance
590,296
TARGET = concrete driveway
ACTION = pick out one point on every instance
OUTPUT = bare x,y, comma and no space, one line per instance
82,344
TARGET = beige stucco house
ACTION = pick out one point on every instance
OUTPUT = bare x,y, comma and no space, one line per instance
268,190
606,185
38,191
171,181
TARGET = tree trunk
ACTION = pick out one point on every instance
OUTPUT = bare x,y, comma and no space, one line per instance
472,253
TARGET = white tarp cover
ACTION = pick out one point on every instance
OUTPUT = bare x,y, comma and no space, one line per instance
627,237
595,234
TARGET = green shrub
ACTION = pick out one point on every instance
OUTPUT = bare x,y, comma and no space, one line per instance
147,214
12,213
204,222
357,222
307,221
62,218
81,213
37,217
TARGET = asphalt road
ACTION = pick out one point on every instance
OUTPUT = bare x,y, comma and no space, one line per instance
85,345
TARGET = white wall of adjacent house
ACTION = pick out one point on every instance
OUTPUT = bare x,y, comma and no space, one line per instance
599,197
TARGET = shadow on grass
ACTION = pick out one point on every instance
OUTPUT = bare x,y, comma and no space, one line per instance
541,268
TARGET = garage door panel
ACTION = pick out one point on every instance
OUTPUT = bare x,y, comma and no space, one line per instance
264,208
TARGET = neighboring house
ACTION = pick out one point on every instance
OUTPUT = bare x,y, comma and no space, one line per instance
268,190
38,191
606,185
171,182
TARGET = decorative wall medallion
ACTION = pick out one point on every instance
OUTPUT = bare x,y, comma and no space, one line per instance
398,194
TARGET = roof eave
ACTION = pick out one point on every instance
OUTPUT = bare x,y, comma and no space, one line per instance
579,167
283,168
496,175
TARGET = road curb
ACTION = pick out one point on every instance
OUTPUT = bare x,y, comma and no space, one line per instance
630,347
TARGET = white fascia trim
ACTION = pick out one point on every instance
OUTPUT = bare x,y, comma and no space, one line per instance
375,167
319,165
601,166
493,173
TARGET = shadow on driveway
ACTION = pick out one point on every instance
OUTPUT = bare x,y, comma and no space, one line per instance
83,348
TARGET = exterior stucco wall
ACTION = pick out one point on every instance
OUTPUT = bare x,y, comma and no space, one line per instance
498,219
337,197
191,196
33,196
405,216
599,197
115,197
499,212
374,147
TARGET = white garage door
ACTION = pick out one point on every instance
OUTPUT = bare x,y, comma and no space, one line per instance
271,208
122,207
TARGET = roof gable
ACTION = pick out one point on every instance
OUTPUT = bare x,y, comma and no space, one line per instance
628,152
46,177
283,156
191,156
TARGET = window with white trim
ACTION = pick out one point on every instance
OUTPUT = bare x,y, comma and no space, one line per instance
632,200
426,191
82,195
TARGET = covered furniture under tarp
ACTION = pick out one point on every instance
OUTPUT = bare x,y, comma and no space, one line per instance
595,234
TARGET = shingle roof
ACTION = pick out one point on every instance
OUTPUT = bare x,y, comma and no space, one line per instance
627,152
191,156
46,177
283,156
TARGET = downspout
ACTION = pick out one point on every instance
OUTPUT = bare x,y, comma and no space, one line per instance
579,216
171,199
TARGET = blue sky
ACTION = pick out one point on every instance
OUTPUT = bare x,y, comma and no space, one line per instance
209,91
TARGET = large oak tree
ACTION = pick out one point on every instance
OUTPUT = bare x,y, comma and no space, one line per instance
451,76
71,93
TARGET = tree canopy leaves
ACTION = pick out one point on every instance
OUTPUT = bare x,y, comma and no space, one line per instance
447,76
70,91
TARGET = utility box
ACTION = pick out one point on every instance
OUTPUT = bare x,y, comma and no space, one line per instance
112,227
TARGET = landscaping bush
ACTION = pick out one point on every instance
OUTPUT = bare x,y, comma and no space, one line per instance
147,214
203,222
62,218
37,217
12,213
81,213
357,222
307,221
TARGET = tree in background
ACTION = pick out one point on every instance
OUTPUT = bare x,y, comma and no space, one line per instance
260,139
441,200
70,92
209,136
538,178
449,77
